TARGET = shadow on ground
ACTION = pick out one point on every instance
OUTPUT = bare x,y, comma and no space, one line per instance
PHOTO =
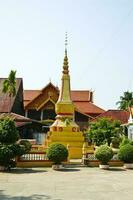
26,171
32,197
69,170
115,169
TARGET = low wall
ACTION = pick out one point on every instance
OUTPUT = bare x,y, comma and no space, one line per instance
34,159
34,164
89,159
95,163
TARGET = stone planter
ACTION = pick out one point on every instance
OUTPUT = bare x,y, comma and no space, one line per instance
57,167
128,165
103,166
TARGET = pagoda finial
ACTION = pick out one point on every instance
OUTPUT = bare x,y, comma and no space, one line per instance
64,105
65,64
66,43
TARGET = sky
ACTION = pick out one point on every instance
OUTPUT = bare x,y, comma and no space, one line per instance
100,44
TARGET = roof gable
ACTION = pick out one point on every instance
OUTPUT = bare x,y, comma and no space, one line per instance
50,91
50,85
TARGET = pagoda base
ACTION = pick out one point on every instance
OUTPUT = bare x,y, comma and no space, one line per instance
72,140
75,152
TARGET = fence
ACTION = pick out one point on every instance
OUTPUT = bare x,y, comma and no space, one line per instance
89,159
34,159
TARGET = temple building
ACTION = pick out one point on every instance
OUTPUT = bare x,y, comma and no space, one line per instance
40,105
34,110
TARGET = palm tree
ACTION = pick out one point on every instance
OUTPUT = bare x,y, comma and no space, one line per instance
126,101
9,86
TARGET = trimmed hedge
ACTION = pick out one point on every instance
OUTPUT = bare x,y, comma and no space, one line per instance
126,153
57,153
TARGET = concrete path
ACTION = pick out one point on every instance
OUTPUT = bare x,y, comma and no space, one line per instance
82,183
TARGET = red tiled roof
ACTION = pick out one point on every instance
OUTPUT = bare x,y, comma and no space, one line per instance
31,94
88,107
76,95
80,95
4,98
120,115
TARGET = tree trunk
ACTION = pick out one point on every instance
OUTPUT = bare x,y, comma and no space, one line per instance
9,106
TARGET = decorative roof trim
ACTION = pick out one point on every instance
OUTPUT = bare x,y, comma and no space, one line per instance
41,91
76,109
49,99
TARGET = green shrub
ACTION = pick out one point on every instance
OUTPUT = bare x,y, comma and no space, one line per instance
115,142
104,154
9,146
125,141
8,131
27,145
6,154
18,150
102,130
131,142
57,153
126,153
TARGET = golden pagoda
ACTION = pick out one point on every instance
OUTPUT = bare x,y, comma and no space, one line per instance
64,130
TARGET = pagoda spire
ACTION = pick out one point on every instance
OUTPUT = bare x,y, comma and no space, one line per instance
64,105
65,63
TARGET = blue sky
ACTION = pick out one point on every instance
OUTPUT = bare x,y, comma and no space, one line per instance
100,44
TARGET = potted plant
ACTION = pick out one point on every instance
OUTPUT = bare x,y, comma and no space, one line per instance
125,154
104,153
57,153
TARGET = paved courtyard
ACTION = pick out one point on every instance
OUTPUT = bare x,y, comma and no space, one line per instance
75,183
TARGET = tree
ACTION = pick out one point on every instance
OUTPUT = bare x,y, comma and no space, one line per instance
126,101
10,147
103,131
9,86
